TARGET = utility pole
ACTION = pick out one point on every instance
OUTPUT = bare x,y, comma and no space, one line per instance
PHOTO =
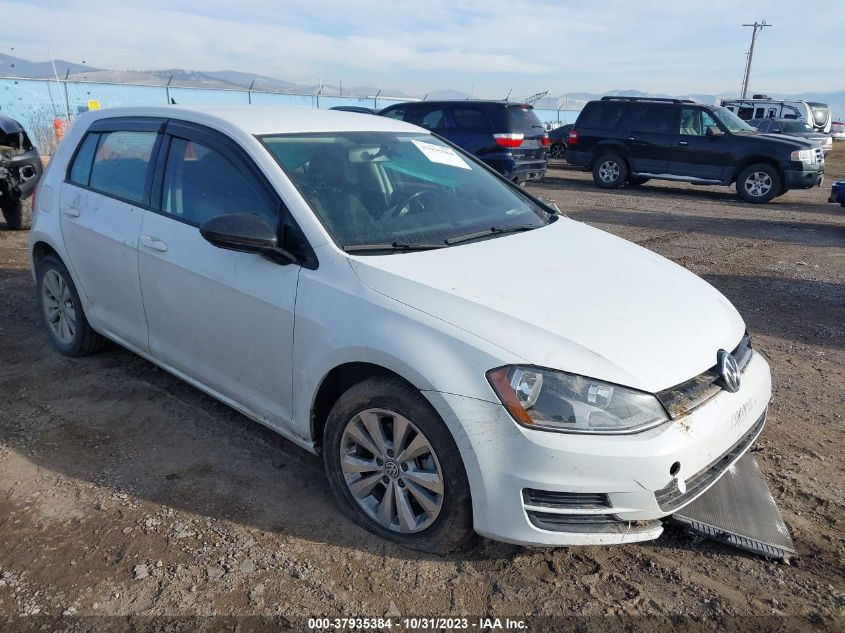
758,27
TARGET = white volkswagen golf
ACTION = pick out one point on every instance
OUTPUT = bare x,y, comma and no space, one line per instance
464,357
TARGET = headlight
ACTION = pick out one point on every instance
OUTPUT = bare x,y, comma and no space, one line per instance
550,400
804,155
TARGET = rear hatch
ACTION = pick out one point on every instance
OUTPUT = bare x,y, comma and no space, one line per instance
528,135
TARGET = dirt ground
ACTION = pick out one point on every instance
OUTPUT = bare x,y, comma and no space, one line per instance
125,492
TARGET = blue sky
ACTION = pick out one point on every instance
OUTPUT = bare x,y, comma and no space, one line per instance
485,47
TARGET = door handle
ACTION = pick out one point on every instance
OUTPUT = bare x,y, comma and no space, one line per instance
153,243
632,138
683,142
70,211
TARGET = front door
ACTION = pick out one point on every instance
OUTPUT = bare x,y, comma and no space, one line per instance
223,319
101,211
699,153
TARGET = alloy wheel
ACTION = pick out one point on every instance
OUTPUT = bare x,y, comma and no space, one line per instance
609,171
558,150
392,470
58,306
758,184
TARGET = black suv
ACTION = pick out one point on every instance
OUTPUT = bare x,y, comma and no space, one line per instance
20,170
506,136
628,140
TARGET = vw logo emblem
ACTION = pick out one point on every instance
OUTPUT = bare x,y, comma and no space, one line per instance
391,469
728,370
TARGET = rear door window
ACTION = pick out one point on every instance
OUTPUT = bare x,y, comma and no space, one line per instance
395,113
432,118
653,118
121,164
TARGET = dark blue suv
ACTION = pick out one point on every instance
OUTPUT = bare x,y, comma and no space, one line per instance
506,136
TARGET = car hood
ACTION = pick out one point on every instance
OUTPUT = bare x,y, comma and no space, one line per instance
569,297
784,141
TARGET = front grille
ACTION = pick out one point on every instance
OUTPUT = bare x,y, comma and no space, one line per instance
670,498
681,399
565,500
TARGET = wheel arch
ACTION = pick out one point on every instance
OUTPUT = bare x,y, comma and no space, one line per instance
611,147
337,381
752,160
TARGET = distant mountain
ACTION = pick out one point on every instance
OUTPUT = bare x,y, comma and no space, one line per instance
18,67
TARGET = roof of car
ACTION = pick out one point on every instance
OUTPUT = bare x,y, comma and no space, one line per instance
261,119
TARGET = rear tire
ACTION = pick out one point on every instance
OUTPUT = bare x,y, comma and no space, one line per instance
759,183
378,489
62,312
609,171
13,214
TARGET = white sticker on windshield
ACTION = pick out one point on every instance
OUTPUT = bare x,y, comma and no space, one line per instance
440,154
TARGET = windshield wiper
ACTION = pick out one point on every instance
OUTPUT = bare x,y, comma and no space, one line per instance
391,246
493,230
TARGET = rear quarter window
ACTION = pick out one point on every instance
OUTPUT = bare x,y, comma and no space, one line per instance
602,116
80,169
121,163
522,119
470,118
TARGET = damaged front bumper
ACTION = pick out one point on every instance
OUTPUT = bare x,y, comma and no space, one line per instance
538,488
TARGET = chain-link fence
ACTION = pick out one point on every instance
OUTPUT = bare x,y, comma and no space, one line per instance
46,106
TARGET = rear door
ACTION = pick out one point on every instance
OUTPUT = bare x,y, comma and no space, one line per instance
221,318
650,136
473,129
697,155
101,204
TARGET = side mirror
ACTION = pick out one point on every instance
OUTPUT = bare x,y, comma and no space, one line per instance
246,233
714,131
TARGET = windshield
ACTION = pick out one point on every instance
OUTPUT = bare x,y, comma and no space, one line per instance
795,126
407,189
731,121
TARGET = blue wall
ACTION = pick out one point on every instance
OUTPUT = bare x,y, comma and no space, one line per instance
36,102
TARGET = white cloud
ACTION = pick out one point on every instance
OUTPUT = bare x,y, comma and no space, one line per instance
563,46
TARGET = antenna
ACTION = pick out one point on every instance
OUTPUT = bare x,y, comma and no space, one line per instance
758,27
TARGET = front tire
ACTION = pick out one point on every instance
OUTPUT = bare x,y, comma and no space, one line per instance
636,181
62,312
394,468
609,171
759,183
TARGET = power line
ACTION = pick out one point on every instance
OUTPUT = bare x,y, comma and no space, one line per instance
758,27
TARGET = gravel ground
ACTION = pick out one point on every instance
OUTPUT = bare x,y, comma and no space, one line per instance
125,492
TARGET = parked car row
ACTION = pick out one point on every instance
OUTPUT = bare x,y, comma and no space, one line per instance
793,127
630,140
